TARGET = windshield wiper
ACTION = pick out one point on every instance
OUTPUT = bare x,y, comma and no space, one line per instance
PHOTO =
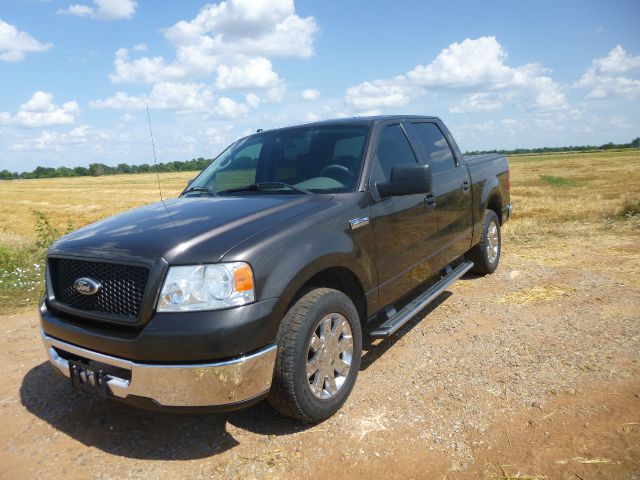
201,190
267,186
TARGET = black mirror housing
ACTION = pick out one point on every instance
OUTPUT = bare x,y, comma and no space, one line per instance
408,179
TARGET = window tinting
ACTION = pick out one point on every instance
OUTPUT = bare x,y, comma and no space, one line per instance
240,168
439,155
316,158
393,149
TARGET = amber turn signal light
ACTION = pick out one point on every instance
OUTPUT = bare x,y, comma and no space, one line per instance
243,277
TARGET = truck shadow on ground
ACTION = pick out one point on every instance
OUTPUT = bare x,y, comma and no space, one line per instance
130,432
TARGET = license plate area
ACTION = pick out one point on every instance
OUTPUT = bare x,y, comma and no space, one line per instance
88,379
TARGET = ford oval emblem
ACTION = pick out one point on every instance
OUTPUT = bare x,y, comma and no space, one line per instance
86,286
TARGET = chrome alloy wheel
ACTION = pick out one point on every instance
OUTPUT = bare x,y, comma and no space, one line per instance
329,356
493,242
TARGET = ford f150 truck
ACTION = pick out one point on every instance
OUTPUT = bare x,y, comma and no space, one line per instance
261,278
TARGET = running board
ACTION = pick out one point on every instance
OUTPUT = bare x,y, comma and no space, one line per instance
408,312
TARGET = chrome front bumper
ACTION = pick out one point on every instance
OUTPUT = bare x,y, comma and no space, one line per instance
194,385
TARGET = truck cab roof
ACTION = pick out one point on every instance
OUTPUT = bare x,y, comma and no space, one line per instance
360,121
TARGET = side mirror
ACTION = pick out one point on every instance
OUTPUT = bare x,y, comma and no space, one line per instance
408,179
189,182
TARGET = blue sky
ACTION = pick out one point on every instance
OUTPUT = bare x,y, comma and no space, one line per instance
502,74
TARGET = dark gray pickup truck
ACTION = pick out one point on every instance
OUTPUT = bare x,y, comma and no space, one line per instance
261,279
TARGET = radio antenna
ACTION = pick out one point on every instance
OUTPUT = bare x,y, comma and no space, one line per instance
153,146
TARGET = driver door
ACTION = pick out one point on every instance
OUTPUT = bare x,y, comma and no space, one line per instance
404,228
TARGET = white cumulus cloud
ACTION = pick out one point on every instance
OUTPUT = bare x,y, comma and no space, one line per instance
226,107
252,100
252,27
103,9
234,40
604,77
380,94
143,70
40,111
182,98
617,61
255,72
53,141
77,11
476,65
15,43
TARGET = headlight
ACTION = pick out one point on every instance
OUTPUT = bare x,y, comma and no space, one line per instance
206,287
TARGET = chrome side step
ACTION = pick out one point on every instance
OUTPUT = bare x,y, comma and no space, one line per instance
407,313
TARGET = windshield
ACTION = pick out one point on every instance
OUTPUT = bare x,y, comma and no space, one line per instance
316,159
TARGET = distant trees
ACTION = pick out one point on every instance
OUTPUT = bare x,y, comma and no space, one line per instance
123,168
100,169
583,148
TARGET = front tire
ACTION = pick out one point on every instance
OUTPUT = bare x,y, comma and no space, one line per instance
486,254
319,350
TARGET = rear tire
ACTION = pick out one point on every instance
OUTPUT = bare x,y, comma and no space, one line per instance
486,254
319,349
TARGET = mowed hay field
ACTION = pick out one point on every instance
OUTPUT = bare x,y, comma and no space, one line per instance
80,200
554,196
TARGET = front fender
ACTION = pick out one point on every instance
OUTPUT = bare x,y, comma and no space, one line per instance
288,255
303,263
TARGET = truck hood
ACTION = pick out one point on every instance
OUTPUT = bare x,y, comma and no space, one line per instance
184,230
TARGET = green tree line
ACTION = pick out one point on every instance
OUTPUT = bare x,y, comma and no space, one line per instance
100,169
635,143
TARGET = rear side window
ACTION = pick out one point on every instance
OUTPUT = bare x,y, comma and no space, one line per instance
393,149
437,150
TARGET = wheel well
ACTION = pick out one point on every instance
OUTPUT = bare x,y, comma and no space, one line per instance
338,278
496,205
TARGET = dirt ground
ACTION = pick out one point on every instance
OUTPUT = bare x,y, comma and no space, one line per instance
531,372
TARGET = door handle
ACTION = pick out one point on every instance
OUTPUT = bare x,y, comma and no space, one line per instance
430,200
465,186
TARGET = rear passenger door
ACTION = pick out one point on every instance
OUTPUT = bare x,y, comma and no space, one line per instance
404,230
451,189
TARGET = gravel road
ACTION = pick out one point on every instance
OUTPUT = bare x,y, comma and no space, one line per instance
530,371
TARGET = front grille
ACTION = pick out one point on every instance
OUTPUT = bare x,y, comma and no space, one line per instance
120,295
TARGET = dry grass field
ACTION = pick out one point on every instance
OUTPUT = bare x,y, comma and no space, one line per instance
529,373
555,195
80,200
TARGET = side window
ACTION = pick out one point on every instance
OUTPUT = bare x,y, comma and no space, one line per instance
439,154
393,149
